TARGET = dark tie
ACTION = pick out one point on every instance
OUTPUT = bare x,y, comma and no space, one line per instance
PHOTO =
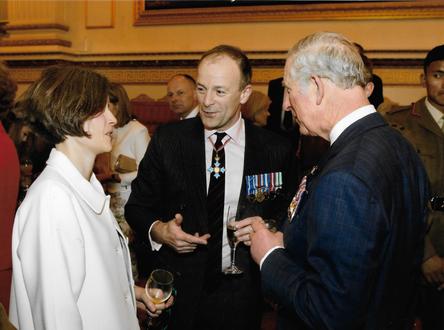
215,210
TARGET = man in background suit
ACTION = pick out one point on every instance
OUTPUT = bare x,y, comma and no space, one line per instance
182,97
422,124
351,251
170,205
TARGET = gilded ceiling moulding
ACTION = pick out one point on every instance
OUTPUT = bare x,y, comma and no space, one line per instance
148,12
152,76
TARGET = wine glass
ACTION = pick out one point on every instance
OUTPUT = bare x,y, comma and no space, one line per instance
232,240
271,225
159,287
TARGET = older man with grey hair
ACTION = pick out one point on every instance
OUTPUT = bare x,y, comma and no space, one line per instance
350,253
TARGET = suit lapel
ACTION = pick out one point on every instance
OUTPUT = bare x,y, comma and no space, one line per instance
252,165
425,119
193,149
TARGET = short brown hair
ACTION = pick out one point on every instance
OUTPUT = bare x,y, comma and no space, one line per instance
8,87
58,104
238,56
119,98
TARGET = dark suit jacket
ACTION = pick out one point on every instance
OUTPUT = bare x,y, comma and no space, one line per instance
354,247
172,179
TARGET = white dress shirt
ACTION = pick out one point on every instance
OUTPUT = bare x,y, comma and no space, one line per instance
234,165
192,114
71,261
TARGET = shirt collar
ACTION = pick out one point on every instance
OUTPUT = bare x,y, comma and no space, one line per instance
352,117
434,112
234,132
90,191
192,114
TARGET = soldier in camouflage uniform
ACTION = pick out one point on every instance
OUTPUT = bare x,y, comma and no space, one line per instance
422,124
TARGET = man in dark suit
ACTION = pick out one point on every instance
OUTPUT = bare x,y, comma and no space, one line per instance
177,205
351,250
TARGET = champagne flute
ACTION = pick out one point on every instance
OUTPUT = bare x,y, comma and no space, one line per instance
159,287
232,240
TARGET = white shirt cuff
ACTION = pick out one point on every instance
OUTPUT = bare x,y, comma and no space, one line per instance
268,253
154,245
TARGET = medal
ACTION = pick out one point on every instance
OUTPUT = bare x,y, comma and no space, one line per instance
216,169
260,196
297,198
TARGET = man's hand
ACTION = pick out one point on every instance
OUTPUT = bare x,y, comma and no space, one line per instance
171,233
433,271
144,302
244,229
263,240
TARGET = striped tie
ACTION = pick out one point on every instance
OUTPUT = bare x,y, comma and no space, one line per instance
215,210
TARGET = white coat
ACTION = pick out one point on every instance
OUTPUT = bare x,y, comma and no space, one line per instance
71,267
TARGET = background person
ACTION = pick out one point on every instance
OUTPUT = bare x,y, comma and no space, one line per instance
350,254
129,143
9,178
70,259
422,124
182,97
256,108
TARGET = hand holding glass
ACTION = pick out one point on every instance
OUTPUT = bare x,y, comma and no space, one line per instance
159,287
232,240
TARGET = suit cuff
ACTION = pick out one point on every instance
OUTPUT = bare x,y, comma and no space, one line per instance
268,253
154,245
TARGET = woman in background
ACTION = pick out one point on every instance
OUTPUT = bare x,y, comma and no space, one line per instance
71,267
130,141
9,184
256,108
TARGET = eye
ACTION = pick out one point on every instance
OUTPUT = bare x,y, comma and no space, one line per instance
200,89
220,92
438,75
180,93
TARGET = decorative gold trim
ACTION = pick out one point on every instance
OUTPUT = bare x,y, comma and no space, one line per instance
45,26
35,42
111,25
295,12
261,76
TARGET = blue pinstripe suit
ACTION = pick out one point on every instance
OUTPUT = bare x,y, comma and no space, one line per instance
353,249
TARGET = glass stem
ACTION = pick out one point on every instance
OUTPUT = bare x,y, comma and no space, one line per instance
233,256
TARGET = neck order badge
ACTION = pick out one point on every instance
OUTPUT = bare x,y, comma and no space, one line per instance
217,168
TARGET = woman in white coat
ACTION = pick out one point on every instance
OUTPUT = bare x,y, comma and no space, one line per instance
71,266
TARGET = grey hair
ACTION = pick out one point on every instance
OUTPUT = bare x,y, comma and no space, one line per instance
327,55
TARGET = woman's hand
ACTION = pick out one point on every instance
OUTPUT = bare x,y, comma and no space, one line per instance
145,303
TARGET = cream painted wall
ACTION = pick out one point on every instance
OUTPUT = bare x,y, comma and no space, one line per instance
413,36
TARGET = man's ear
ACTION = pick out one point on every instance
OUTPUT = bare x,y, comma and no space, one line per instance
422,78
245,94
320,88
369,87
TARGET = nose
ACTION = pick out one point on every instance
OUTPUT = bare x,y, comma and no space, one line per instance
208,99
111,118
286,106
